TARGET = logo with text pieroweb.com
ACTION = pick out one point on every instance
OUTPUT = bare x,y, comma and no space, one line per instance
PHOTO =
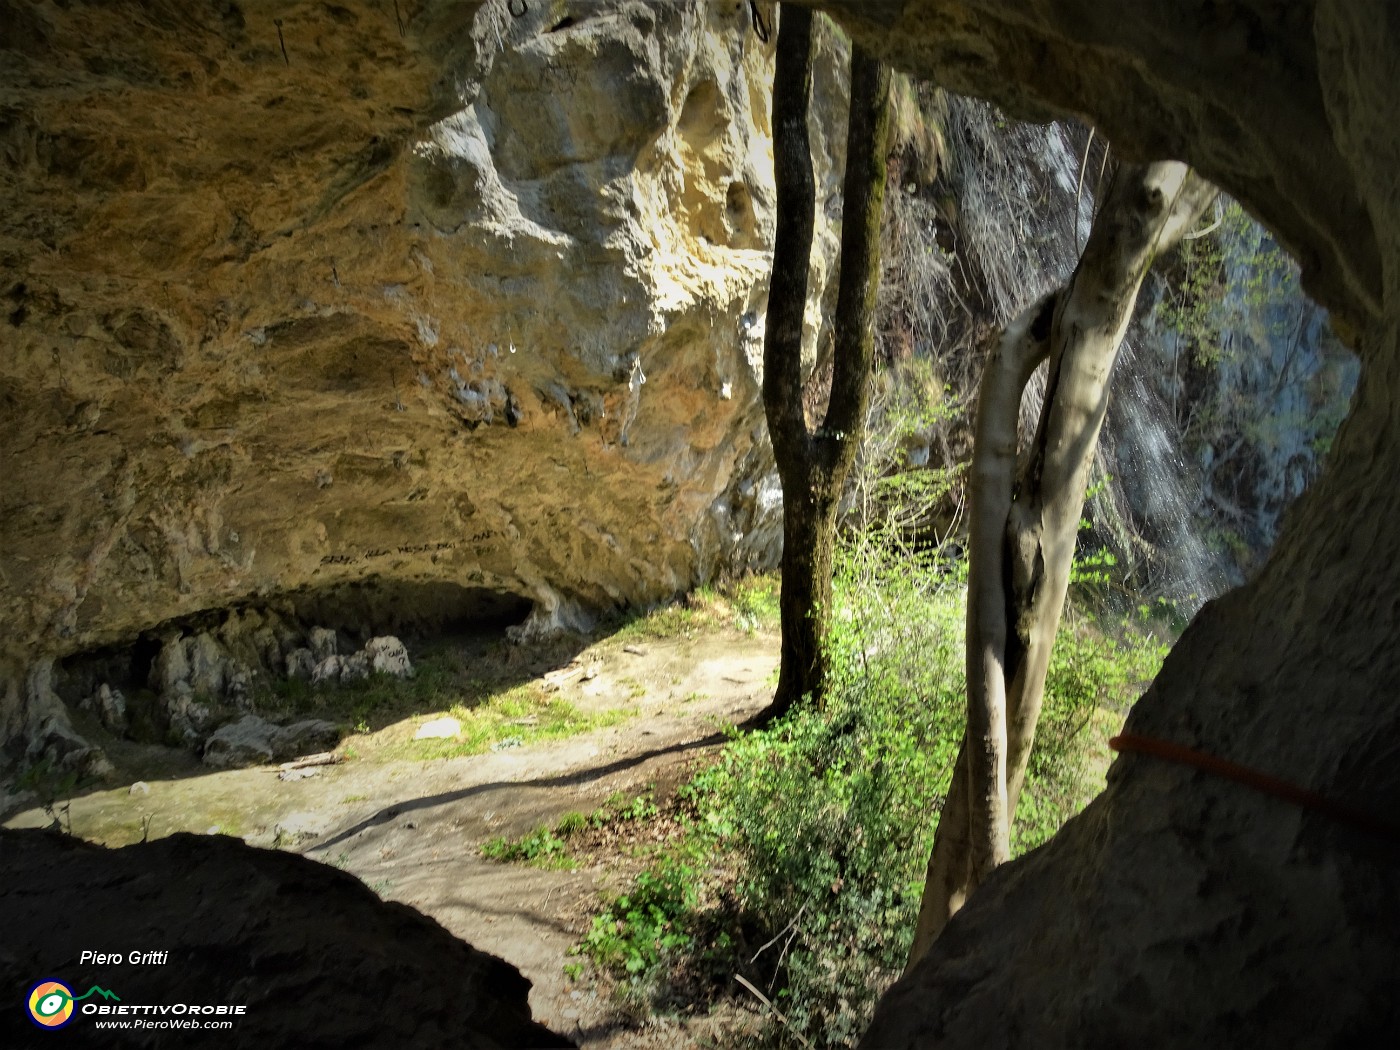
51,1002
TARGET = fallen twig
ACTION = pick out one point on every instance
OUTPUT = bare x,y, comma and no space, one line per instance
777,935
776,1012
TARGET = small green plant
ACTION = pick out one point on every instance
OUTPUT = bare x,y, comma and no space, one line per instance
640,929
617,808
571,824
541,848
754,600
824,818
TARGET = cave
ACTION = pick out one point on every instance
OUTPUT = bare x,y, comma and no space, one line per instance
419,612
416,609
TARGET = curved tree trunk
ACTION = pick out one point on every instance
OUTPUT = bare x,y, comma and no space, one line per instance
813,465
1024,523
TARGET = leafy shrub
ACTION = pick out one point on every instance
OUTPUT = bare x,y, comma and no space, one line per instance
826,819
648,924
541,847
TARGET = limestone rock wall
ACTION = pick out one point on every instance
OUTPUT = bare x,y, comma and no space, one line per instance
303,297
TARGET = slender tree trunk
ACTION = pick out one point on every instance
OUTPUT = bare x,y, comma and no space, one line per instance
813,464
1024,522
804,604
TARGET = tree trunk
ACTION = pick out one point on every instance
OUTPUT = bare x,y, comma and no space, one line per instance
1024,523
813,465
804,604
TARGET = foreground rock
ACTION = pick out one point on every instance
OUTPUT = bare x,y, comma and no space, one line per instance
315,957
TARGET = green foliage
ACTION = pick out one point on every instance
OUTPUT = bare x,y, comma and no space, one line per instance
571,824
747,603
547,847
826,819
1092,679
617,808
1198,290
1092,568
650,924
754,600
541,848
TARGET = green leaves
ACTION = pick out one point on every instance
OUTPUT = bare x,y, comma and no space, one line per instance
641,929
802,865
541,847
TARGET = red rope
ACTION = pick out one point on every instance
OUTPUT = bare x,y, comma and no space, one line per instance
1259,781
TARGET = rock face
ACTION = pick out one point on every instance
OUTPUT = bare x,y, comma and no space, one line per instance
316,958
294,307
252,741
1182,909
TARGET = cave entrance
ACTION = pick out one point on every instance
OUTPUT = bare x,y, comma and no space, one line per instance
414,610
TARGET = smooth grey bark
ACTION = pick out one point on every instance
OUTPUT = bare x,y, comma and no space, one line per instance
1024,522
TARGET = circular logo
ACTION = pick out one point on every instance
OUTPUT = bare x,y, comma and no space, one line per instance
51,1004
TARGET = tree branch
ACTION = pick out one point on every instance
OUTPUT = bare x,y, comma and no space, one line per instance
863,196
792,246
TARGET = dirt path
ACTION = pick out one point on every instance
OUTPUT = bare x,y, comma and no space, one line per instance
412,830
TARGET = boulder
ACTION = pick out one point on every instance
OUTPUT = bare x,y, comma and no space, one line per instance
323,643
301,664
304,738
355,667
53,743
326,671
444,728
387,655
253,741
315,957
111,709
246,742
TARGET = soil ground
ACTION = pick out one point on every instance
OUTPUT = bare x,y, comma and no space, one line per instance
412,830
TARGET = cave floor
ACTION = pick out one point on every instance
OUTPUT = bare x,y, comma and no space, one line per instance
412,830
